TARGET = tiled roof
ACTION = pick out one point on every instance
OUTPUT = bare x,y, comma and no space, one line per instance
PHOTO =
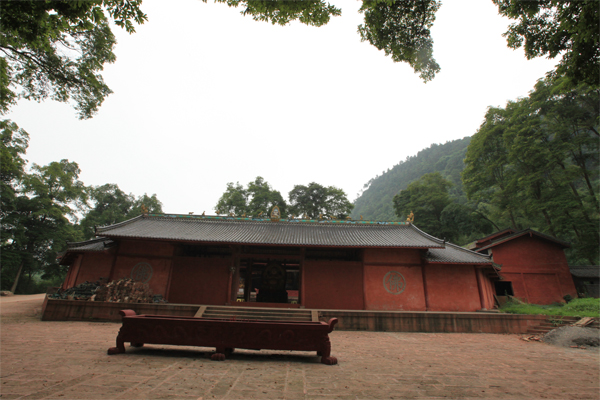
585,271
454,254
238,230
529,232
99,244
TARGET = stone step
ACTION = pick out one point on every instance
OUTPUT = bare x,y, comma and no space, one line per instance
257,313
535,331
256,317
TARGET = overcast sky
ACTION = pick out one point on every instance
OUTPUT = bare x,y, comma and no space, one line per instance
204,96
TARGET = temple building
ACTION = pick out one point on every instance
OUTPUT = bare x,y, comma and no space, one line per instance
534,265
320,264
272,262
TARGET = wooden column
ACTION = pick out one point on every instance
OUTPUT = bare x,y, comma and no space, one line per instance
424,275
301,292
478,276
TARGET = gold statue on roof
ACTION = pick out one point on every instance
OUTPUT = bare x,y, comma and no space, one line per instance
275,214
411,218
144,209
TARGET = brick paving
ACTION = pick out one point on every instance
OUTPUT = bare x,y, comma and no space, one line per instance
68,360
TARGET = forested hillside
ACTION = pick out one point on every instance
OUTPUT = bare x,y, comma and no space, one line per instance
376,200
532,164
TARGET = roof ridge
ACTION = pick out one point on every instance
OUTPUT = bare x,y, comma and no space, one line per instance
469,251
427,235
89,241
523,232
100,229
191,217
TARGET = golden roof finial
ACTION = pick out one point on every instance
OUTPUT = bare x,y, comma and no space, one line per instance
411,218
144,209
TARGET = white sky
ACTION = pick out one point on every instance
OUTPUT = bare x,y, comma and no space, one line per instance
204,96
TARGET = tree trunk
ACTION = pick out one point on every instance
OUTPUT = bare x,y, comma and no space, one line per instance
14,286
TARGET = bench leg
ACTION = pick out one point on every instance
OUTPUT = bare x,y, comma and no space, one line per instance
119,349
219,354
325,354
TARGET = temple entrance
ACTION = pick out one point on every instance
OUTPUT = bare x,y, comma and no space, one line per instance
269,281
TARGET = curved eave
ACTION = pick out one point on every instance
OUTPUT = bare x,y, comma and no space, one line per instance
257,232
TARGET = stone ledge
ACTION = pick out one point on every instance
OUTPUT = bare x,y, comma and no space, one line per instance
350,320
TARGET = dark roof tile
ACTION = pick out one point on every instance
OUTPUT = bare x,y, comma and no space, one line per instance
265,232
455,254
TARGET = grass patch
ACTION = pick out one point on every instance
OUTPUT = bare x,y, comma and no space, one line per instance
587,307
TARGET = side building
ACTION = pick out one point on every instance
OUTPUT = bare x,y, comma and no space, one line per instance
317,264
534,265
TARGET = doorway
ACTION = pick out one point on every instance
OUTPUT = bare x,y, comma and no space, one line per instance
263,281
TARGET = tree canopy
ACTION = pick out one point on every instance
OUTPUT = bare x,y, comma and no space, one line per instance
40,210
535,164
57,49
258,197
315,200
110,205
402,30
557,27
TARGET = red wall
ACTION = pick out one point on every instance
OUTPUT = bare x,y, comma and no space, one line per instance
537,268
95,265
412,298
199,280
161,268
146,247
407,262
452,288
333,285
392,256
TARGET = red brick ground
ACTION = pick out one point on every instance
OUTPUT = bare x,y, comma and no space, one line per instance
68,360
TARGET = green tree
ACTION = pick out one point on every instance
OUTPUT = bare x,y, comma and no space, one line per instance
258,197
557,27
316,200
40,224
262,198
57,49
402,30
487,176
426,198
110,205
537,161
309,12
14,145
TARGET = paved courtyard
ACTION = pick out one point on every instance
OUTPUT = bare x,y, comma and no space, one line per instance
68,360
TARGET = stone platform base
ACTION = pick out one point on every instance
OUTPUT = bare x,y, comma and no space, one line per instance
350,320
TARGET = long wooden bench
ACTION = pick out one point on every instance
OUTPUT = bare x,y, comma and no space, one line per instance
225,335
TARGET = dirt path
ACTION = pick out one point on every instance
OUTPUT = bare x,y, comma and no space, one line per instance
68,360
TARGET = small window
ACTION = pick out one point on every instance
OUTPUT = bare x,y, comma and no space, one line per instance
504,288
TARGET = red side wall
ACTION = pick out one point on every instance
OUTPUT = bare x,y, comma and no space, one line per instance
94,265
199,280
333,285
537,268
452,288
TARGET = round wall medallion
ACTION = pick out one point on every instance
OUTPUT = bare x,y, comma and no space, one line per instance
394,282
142,272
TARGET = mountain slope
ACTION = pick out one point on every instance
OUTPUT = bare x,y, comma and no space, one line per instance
375,202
